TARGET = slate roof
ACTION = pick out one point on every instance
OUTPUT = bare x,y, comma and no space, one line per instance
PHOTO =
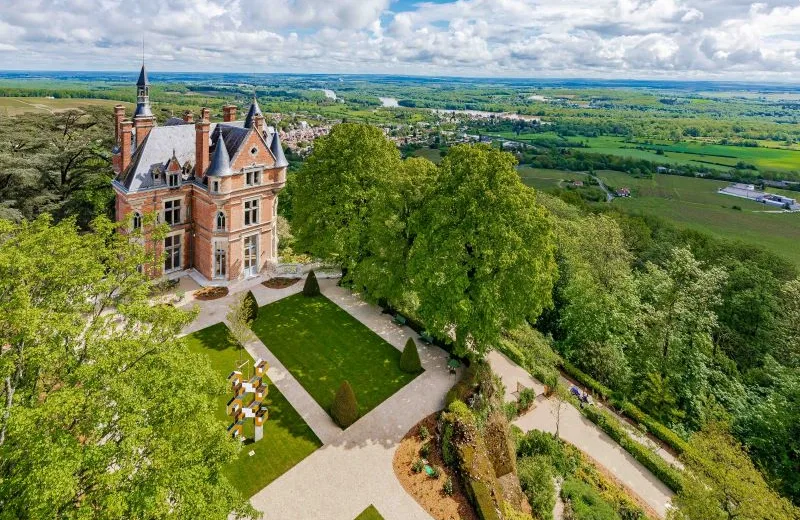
220,161
254,111
277,151
142,81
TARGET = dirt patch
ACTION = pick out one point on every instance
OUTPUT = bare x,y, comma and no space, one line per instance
427,491
280,282
210,293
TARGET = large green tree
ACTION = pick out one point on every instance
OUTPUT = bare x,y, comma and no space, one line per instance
721,483
103,411
334,192
483,258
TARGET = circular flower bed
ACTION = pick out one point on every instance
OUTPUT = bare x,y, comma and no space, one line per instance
280,282
210,293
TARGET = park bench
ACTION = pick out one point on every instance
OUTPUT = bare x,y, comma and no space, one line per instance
399,319
425,337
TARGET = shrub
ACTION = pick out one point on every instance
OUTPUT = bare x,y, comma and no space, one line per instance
510,411
660,431
585,379
585,502
465,387
425,450
424,433
526,398
250,307
447,487
540,443
417,466
409,360
344,409
536,479
435,472
652,461
311,287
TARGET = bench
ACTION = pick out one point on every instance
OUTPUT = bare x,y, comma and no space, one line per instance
399,319
425,337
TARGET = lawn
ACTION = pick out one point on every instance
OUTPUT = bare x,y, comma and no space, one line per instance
369,513
322,345
432,154
544,179
287,438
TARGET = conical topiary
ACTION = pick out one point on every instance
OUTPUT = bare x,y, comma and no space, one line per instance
409,360
250,307
344,409
311,288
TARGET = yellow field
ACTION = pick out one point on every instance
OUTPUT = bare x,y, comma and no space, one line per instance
11,106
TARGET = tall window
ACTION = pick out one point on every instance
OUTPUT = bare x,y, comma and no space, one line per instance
220,262
250,212
137,221
173,179
253,178
172,253
172,212
220,221
215,186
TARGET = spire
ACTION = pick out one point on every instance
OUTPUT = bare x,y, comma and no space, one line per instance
143,95
254,111
221,161
277,151
142,81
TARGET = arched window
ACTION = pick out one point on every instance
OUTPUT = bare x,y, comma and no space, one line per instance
220,221
137,221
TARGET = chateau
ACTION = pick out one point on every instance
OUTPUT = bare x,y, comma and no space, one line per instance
214,184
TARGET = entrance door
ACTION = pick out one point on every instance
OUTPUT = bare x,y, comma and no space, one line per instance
251,255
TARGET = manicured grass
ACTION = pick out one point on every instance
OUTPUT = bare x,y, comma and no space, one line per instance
322,345
287,438
369,513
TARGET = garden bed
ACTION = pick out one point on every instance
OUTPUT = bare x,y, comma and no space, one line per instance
210,293
279,282
427,491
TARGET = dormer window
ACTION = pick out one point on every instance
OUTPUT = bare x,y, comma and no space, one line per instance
173,179
220,221
252,178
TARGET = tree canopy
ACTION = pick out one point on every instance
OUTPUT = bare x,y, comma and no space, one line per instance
101,415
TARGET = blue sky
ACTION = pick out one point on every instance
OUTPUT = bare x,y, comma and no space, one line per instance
664,39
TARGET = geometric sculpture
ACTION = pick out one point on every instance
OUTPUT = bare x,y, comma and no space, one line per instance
248,401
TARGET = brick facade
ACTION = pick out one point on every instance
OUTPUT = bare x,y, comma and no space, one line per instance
211,174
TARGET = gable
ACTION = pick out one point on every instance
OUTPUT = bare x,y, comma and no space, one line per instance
245,157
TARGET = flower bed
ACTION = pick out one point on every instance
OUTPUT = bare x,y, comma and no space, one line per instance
280,282
210,293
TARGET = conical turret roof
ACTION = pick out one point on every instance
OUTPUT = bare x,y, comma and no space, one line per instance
221,161
142,81
254,111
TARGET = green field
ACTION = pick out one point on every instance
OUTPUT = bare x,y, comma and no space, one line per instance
287,438
322,345
695,204
432,154
544,179
12,106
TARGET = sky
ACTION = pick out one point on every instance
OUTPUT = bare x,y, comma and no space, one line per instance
663,39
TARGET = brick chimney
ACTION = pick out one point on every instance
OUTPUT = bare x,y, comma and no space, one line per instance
119,115
188,117
205,114
125,144
143,125
201,157
258,122
229,113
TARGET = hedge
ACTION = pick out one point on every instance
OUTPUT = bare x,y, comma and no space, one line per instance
652,461
344,409
585,502
311,286
627,408
250,307
409,359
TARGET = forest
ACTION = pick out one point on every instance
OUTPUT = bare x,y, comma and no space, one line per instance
688,333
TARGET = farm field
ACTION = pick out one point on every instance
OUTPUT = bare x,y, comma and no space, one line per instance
544,179
12,106
432,154
695,204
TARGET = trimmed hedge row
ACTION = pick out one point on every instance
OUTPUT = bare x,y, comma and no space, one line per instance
658,466
626,407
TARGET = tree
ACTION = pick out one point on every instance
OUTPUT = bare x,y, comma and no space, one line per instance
789,325
250,307
483,259
721,483
344,409
334,192
238,321
409,359
383,271
100,413
311,286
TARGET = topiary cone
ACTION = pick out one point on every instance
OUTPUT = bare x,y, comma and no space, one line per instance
311,287
344,409
250,307
409,360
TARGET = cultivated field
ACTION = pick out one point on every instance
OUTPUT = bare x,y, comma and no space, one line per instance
12,106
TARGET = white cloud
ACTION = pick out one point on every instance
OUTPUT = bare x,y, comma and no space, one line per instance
734,39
